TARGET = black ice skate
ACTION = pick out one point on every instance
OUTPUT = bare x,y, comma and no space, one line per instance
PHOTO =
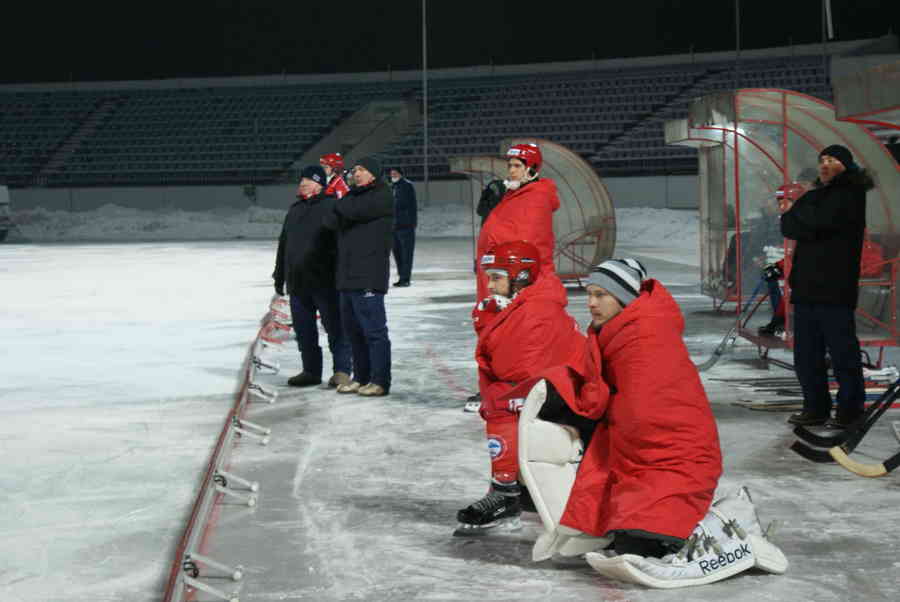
494,513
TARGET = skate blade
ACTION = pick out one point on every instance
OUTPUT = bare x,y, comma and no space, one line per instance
494,528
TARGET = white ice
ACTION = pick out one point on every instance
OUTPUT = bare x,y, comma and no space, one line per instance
120,362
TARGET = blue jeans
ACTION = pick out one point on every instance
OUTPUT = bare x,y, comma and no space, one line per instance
404,247
774,294
365,324
818,328
303,316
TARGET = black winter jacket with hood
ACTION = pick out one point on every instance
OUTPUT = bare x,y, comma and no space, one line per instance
828,223
307,250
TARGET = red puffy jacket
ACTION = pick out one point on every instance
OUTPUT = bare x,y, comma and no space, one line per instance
337,187
532,334
523,214
654,460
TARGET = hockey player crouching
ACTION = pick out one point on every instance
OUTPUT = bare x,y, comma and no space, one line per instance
523,329
640,504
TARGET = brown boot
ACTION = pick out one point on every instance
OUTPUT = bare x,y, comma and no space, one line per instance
350,387
338,379
372,390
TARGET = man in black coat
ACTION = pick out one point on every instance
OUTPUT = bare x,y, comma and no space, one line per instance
305,261
406,219
828,223
364,223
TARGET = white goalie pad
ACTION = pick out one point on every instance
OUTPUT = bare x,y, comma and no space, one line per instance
549,455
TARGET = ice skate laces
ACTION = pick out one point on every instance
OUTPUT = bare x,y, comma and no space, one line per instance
701,541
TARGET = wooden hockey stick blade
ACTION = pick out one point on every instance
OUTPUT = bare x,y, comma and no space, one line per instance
814,455
863,470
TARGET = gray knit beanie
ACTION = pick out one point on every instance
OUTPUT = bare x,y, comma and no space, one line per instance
621,277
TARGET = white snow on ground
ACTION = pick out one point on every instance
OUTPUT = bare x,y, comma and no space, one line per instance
669,229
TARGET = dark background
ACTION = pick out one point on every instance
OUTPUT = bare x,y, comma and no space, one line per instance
89,41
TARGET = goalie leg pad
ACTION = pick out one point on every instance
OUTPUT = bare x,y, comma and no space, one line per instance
548,461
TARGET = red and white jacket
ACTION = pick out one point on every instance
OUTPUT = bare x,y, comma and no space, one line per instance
337,186
523,214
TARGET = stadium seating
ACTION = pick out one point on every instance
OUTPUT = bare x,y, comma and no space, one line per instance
253,134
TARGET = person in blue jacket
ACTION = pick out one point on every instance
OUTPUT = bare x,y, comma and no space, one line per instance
405,222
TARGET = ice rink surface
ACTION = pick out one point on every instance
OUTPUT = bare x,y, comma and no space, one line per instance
119,367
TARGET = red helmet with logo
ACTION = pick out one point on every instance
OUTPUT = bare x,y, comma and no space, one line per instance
333,160
519,259
529,154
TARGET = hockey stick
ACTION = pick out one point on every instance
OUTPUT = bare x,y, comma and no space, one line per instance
878,469
853,437
731,335
864,422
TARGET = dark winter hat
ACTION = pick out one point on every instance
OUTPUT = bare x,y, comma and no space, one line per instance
314,173
621,277
841,153
372,164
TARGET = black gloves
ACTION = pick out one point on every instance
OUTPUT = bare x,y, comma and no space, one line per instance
772,273
279,288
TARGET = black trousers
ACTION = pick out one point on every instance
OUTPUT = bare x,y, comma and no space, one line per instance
831,328
404,248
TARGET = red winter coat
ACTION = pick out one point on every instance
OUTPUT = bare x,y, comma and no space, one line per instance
532,334
523,214
654,460
337,187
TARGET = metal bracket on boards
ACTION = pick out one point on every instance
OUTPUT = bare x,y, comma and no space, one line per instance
261,394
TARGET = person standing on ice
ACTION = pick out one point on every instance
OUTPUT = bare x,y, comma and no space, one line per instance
305,262
333,163
523,329
828,224
641,500
524,213
364,222
406,218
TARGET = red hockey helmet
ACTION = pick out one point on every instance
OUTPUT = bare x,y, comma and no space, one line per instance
333,160
519,259
788,193
529,154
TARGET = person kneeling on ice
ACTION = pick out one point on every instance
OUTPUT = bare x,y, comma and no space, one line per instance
643,491
523,329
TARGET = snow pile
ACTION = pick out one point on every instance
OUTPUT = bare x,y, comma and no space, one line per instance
115,223
649,228
673,229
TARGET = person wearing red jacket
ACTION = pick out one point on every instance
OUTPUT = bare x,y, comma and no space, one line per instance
523,329
653,461
333,163
524,213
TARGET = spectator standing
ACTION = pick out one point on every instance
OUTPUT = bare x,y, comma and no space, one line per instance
305,262
364,221
828,224
333,163
405,221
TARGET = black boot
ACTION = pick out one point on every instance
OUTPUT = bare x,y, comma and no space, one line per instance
304,379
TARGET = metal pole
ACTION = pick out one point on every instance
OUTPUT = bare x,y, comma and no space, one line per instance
737,43
425,97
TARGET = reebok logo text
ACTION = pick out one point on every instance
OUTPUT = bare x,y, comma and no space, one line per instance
725,559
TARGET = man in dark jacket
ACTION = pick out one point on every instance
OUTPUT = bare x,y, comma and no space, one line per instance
364,221
305,261
405,222
828,223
